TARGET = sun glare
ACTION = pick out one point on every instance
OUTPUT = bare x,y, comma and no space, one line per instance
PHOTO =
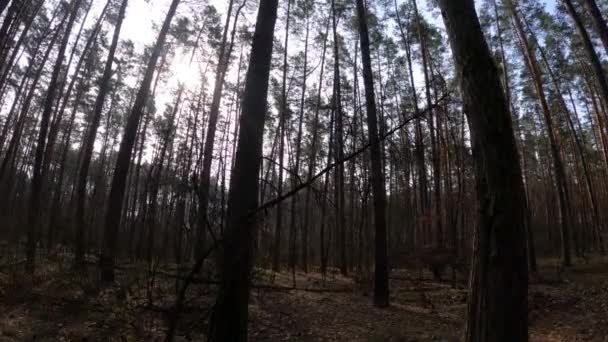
184,71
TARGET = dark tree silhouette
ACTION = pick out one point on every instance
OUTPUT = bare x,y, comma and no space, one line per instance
497,308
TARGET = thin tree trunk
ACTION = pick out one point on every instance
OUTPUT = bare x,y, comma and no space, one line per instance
38,171
419,152
278,228
296,168
7,65
222,66
554,139
594,59
435,210
381,291
117,190
312,158
578,144
89,141
339,171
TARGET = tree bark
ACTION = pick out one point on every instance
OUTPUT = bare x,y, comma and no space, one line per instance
230,312
497,309
278,226
381,291
339,134
598,21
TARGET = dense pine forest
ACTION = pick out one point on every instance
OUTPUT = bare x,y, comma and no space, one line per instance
303,170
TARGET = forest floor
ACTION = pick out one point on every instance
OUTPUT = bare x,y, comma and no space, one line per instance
58,305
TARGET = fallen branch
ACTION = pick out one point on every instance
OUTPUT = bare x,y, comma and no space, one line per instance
329,167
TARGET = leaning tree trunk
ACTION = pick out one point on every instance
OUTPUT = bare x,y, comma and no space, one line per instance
594,59
7,65
230,313
3,4
498,307
381,291
23,116
552,131
89,141
205,182
117,190
579,148
37,170
598,21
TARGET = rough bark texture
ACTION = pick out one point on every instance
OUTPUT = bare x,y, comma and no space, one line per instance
498,299
230,314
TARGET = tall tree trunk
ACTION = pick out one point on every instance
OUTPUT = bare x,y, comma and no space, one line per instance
89,141
339,156
10,20
3,4
312,157
6,65
37,171
419,152
435,209
381,291
554,138
507,89
578,144
599,23
117,190
205,182
230,312
56,207
498,307
278,227
155,175
296,168
16,137
594,59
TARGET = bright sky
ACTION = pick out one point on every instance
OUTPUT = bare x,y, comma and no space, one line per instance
142,13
